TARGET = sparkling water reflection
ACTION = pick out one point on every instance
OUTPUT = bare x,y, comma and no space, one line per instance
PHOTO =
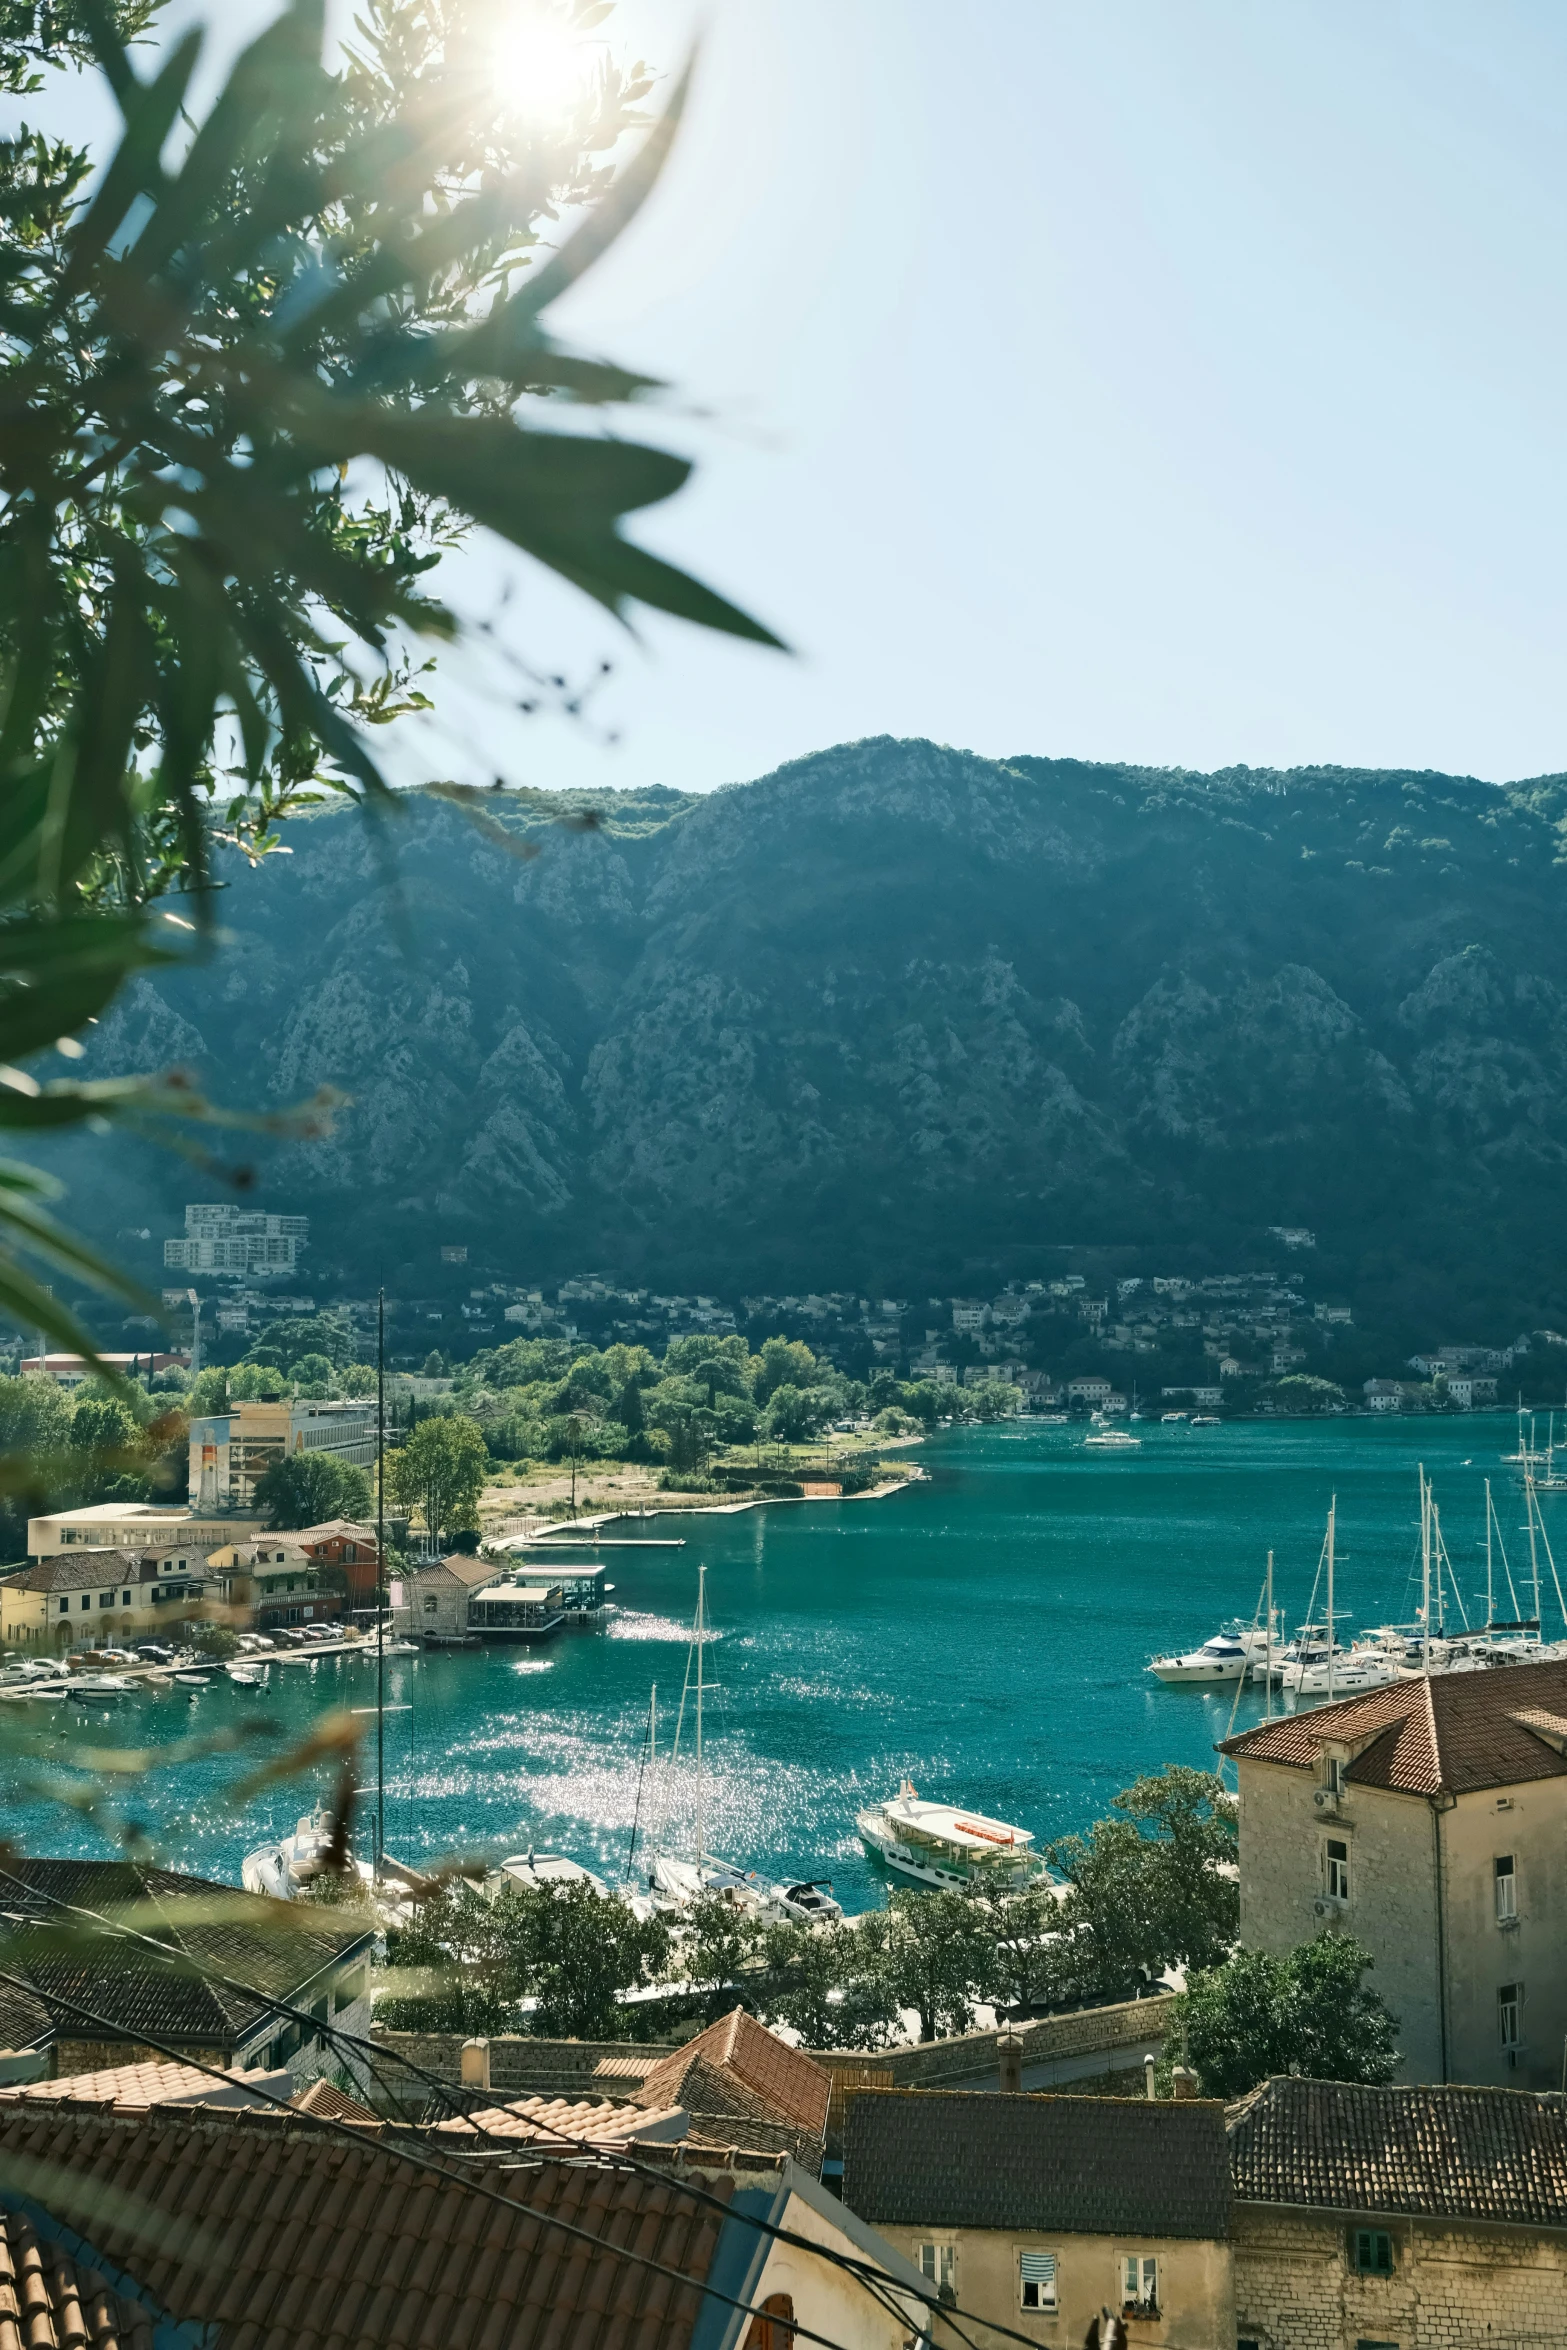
985,1632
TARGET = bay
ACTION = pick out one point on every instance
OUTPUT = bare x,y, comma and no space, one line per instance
985,1631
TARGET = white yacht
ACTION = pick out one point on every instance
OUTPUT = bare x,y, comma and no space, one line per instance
549,1869
1223,1658
1348,1672
1111,1440
942,1845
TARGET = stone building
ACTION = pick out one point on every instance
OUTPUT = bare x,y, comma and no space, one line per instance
1036,2213
1429,1819
1408,2219
438,1596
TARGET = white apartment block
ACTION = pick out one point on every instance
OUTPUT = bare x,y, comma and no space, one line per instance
220,1238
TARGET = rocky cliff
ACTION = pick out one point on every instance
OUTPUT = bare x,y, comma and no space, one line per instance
896,1015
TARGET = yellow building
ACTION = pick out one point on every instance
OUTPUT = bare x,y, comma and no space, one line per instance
102,1598
1429,1820
1037,2213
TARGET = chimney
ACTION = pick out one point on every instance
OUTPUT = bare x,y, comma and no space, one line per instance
1148,2073
476,2064
1009,2056
1183,2081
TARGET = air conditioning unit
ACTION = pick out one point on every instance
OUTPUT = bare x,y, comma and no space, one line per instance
1321,1909
1325,1799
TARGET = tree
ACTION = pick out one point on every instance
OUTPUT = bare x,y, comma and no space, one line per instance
1032,1954
109,1451
784,1362
722,1943
825,1983
1168,1897
440,1471
575,1952
1301,1392
795,1413
932,1953
1311,2013
248,396
308,1488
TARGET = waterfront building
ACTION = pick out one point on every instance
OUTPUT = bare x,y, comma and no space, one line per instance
438,1596
231,1451
1036,2213
1428,1819
102,1598
274,1581
132,1525
515,1611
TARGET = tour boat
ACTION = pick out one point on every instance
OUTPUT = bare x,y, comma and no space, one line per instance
1111,1440
942,1845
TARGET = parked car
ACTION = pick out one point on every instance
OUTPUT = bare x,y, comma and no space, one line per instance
102,1660
154,1652
294,1636
322,1632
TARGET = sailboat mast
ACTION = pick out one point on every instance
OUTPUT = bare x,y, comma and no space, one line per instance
1333,1507
1490,1600
1531,1511
1425,1573
1267,1703
701,1597
380,1582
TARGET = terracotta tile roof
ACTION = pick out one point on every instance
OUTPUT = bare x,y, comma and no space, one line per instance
1453,1734
48,2298
157,2082
739,2067
1096,2166
251,1942
326,2098
624,2068
78,1570
1495,2154
588,2121
285,2237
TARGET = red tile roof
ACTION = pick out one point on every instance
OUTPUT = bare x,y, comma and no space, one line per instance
1453,1734
156,2082
326,2098
739,2068
284,2236
51,2301
591,2121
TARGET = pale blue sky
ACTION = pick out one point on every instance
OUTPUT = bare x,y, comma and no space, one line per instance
1177,384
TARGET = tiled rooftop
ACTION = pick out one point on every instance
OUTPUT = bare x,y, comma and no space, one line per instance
324,2097
587,2121
1455,1734
286,2237
273,1946
51,2301
1492,2154
136,2086
737,2054
1094,2166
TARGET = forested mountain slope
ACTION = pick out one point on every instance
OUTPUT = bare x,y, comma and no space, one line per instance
898,1017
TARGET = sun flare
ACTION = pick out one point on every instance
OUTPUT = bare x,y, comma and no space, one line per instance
540,62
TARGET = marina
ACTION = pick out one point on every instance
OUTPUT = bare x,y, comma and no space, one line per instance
985,1634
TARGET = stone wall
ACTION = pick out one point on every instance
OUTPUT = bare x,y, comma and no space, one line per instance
1093,2042
524,2067
1455,2286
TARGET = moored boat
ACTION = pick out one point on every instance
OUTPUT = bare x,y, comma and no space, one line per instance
942,1845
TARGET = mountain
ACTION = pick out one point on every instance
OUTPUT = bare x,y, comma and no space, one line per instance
901,1017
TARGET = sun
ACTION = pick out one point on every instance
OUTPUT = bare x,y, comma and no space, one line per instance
540,63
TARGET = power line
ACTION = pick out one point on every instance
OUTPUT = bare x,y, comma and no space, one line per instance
453,2100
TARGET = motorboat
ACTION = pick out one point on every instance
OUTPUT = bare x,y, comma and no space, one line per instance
100,1685
193,1680
942,1845
1348,1672
246,1676
547,1870
1111,1440
1206,1420
1169,1419
1225,1657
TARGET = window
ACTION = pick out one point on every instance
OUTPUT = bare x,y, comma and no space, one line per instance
106,1599
1140,2283
1036,2280
430,1603
938,2265
1338,1869
1505,1873
125,1599
1335,1777
1509,2014
65,1607
1373,2252
86,1601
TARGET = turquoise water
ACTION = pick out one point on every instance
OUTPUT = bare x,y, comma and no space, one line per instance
985,1631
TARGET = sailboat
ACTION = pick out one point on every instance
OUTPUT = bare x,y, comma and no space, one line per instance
1320,1667
676,1883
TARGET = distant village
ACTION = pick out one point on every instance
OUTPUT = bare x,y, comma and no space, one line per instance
1251,1342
